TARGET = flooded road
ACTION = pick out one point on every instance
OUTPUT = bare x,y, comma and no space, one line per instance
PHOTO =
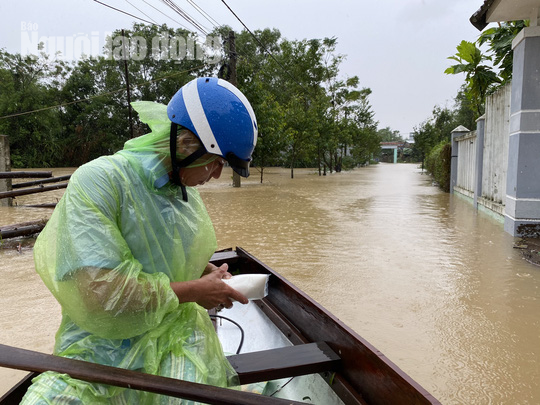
433,284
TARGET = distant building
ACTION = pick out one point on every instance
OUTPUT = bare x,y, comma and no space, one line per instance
408,138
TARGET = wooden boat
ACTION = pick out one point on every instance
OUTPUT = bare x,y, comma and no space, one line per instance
302,352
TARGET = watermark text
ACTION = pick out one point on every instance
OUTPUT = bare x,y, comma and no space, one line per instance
161,47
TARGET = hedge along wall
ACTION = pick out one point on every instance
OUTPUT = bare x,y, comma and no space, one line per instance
438,164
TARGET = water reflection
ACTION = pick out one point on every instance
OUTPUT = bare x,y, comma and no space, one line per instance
433,284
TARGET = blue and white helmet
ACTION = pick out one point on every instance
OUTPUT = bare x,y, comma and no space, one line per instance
220,116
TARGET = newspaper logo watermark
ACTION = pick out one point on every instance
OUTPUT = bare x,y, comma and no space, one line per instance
161,47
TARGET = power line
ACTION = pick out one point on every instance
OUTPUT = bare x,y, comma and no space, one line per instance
102,94
185,16
166,15
171,5
208,17
140,11
124,12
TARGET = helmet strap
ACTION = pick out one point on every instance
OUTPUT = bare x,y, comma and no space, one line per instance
177,165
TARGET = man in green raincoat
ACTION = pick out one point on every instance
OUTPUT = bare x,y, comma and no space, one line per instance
126,251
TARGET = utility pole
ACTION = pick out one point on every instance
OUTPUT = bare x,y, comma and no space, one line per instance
233,80
127,83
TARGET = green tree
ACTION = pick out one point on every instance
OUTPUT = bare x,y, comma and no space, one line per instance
365,142
480,78
300,91
348,100
31,83
98,125
463,111
436,129
254,75
159,59
388,135
499,40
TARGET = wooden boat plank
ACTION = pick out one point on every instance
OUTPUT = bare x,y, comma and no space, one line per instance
33,361
224,256
284,362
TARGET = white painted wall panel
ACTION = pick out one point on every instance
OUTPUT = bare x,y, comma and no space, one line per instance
496,145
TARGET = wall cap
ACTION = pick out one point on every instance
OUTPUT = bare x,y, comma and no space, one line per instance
461,128
526,32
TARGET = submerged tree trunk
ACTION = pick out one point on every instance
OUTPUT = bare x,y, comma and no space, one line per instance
293,159
319,158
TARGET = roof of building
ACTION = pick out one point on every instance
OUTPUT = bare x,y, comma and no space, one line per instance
478,19
503,10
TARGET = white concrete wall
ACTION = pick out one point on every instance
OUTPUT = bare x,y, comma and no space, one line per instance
494,154
466,163
496,137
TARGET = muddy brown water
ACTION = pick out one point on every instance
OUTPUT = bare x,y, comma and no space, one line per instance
429,281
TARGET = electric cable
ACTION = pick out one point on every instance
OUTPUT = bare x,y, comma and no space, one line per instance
140,11
208,17
173,6
239,327
166,15
124,12
280,388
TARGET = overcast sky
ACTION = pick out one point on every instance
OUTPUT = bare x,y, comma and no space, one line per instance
398,48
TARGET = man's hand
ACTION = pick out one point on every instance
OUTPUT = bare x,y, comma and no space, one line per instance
209,291
212,267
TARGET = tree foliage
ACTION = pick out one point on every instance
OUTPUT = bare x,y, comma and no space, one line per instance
389,135
435,130
499,41
308,115
480,77
28,83
485,72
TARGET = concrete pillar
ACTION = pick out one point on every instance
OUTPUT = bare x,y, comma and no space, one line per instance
5,166
456,133
522,205
395,155
478,172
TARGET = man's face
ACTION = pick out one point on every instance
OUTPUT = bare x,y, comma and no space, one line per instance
196,176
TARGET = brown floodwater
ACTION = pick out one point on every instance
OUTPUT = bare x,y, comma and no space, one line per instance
429,281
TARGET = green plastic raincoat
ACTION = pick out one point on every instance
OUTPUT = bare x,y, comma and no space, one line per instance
117,239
